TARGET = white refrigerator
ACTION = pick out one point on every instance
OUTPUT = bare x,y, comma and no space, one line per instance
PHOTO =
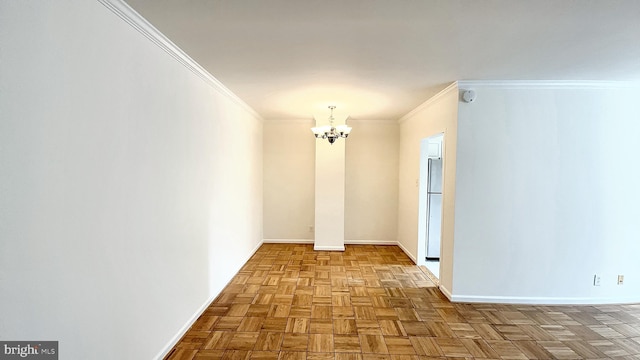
434,207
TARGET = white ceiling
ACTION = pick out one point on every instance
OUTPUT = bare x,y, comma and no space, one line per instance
379,59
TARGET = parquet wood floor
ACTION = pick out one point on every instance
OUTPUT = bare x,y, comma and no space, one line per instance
372,303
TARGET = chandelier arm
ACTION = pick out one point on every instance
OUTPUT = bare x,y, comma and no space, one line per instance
331,132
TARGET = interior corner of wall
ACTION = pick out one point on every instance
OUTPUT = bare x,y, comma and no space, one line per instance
407,252
445,291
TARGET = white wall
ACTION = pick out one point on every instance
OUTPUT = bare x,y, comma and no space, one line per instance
130,189
289,179
371,199
547,193
371,180
329,193
437,115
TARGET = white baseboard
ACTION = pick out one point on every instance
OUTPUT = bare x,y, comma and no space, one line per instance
183,330
430,275
347,242
446,292
328,248
410,255
540,300
287,241
341,248
174,340
255,249
370,242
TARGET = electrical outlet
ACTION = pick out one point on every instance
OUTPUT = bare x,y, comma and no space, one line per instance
596,280
620,279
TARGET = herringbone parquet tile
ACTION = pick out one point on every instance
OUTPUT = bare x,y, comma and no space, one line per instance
372,303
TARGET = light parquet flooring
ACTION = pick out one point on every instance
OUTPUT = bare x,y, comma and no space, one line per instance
290,302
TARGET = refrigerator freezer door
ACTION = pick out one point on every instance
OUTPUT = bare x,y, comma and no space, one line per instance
435,176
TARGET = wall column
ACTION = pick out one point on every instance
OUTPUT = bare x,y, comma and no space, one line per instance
330,185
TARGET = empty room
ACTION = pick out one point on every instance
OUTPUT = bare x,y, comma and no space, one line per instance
319,180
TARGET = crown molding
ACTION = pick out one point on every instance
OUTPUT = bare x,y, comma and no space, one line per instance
524,84
431,101
548,84
144,27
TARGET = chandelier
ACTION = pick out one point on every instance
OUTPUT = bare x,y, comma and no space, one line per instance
330,132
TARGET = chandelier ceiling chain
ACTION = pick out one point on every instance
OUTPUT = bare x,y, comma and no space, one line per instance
330,132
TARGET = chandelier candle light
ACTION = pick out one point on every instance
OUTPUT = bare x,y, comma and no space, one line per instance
330,132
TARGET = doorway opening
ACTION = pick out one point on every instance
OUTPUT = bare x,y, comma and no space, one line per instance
430,212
